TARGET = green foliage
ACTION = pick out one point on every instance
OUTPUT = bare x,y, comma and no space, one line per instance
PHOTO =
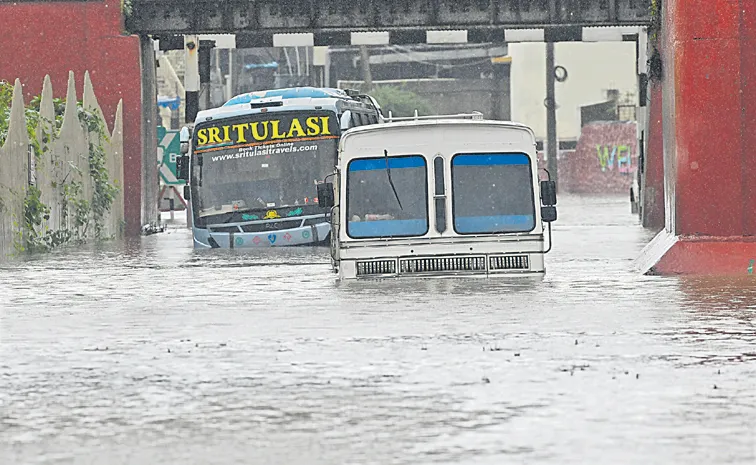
104,191
82,215
126,8
656,20
34,213
400,101
654,31
32,117
6,96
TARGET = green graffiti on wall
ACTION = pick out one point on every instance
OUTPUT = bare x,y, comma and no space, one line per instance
610,156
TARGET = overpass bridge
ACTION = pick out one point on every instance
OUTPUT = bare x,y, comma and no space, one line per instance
270,23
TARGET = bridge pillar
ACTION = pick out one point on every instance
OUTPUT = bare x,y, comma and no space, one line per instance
652,181
709,116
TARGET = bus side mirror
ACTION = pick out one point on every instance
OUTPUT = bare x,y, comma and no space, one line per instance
548,193
549,214
346,120
325,195
182,167
184,135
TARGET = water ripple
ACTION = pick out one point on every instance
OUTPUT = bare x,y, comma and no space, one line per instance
146,351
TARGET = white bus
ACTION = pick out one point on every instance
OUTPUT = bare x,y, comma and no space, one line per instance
253,165
438,196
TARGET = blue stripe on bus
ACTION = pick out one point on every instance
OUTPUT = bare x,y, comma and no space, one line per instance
380,163
387,228
488,224
490,159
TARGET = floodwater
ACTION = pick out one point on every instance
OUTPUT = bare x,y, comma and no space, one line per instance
147,352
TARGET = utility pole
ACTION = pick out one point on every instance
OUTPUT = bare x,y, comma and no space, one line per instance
551,130
191,79
205,47
230,84
367,75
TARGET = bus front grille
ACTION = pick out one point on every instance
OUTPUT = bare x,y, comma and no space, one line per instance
224,229
509,262
376,267
441,264
272,226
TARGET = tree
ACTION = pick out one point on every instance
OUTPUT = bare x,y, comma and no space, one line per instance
401,102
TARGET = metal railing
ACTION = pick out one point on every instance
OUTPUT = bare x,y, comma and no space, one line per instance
475,115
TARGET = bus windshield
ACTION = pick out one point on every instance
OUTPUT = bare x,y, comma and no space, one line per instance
492,193
261,161
374,209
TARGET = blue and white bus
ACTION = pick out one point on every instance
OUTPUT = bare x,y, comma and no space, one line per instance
253,165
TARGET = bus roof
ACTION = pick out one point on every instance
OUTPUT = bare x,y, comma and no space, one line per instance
391,132
289,93
441,120
294,98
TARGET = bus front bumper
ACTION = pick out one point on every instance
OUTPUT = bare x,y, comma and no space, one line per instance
305,235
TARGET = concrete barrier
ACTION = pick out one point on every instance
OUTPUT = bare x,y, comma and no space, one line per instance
57,163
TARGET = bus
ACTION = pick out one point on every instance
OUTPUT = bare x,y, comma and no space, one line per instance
252,165
449,195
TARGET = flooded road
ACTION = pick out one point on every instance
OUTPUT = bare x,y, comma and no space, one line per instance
147,352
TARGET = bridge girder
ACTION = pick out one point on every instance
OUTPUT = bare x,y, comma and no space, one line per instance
331,22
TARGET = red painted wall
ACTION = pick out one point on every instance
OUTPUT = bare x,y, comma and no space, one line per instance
54,38
604,162
709,58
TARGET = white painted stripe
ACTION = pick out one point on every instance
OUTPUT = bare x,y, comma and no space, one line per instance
167,174
446,37
523,35
300,39
320,56
191,72
221,40
607,34
167,139
642,51
370,38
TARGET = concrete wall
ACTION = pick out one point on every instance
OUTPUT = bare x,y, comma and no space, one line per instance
606,159
149,168
63,159
604,162
593,68
40,38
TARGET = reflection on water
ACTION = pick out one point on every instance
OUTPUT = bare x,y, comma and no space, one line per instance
715,293
147,351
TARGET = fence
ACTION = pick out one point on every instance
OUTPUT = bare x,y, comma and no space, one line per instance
61,171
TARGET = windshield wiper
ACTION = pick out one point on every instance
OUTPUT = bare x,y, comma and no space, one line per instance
388,172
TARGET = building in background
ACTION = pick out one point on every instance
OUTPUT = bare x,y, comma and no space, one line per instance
502,81
593,69
451,78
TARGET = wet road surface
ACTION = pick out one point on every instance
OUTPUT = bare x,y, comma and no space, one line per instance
147,352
